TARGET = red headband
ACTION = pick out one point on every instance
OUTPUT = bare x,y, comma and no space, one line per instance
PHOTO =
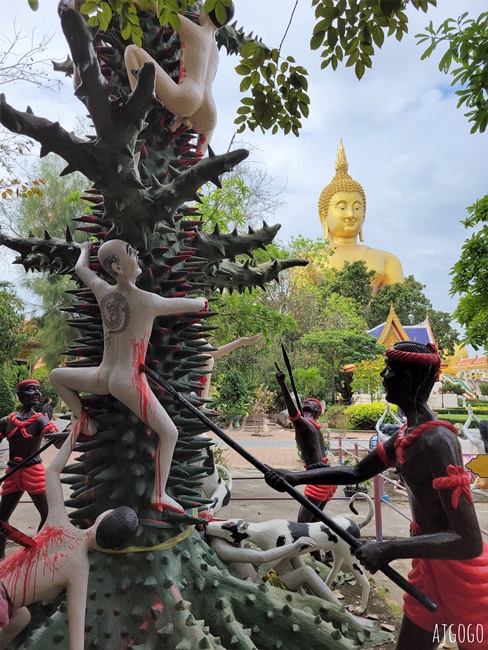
427,359
312,399
27,382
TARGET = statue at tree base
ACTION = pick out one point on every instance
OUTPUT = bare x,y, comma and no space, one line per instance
342,208
58,557
24,431
450,560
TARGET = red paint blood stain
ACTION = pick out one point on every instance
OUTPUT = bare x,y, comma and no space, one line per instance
139,381
28,572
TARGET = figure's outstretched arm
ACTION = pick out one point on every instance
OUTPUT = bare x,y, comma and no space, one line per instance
54,492
167,306
475,438
369,466
83,270
234,345
461,539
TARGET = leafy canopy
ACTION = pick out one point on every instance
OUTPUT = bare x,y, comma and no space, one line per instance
470,278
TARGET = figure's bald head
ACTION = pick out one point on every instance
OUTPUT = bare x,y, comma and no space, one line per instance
113,252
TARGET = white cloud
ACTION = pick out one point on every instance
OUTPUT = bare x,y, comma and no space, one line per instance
406,142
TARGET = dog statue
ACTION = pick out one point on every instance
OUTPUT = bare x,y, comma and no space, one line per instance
278,532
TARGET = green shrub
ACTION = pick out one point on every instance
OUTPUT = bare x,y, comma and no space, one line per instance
336,418
455,419
480,410
7,402
365,416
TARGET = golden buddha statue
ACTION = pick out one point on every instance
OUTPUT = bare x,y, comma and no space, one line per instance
342,207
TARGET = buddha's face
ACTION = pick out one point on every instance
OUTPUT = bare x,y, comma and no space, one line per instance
346,214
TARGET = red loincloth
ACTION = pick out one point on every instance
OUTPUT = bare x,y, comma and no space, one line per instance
27,479
460,589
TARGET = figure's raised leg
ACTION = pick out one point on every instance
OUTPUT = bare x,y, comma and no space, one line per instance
142,401
183,99
68,383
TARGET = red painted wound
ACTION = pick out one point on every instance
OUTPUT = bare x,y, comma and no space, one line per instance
21,571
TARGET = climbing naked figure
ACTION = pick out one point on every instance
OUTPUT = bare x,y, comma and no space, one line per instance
190,100
128,314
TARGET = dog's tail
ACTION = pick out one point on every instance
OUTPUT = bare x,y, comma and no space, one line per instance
364,497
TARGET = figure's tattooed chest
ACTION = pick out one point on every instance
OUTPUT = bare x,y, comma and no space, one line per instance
115,310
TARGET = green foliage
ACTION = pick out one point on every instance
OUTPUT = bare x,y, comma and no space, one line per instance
235,389
336,417
221,457
365,416
336,348
309,381
278,88
484,388
470,276
7,402
466,53
52,211
100,13
224,207
354,281
264,399
349,30
457,419
13,334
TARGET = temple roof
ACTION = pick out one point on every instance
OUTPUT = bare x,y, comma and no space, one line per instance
392,331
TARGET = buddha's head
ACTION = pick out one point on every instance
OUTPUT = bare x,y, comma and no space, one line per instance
342,203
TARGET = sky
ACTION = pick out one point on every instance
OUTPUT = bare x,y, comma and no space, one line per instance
405,140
